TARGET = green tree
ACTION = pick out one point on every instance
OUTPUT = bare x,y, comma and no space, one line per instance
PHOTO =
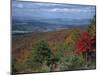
41,53
92,27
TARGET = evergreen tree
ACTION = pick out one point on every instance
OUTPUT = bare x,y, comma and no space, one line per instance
41,53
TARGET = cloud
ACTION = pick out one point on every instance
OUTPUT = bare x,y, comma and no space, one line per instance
63,10
46,4
59,9
19,5
50,7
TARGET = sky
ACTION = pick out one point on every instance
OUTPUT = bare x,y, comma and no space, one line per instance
51,11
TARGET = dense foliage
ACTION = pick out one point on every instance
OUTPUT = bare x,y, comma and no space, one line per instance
86,45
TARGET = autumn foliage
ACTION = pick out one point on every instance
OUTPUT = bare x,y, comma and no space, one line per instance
86,43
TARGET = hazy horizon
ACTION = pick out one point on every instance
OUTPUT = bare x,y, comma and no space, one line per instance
45,14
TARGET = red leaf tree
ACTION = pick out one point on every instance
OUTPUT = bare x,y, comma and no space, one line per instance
86,44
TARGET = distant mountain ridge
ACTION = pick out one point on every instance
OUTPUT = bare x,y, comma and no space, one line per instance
38,26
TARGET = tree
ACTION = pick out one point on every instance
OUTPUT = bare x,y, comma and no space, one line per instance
41,53
72,38
87,42
92,27
85,45
92,32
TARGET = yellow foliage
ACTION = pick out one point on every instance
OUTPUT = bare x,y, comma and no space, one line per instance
72,36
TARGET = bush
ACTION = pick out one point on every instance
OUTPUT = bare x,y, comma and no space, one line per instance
13,66
72,62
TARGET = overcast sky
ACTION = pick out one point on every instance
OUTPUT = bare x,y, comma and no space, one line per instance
38,11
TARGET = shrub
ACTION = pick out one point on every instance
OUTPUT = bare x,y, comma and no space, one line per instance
13,66
72,62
